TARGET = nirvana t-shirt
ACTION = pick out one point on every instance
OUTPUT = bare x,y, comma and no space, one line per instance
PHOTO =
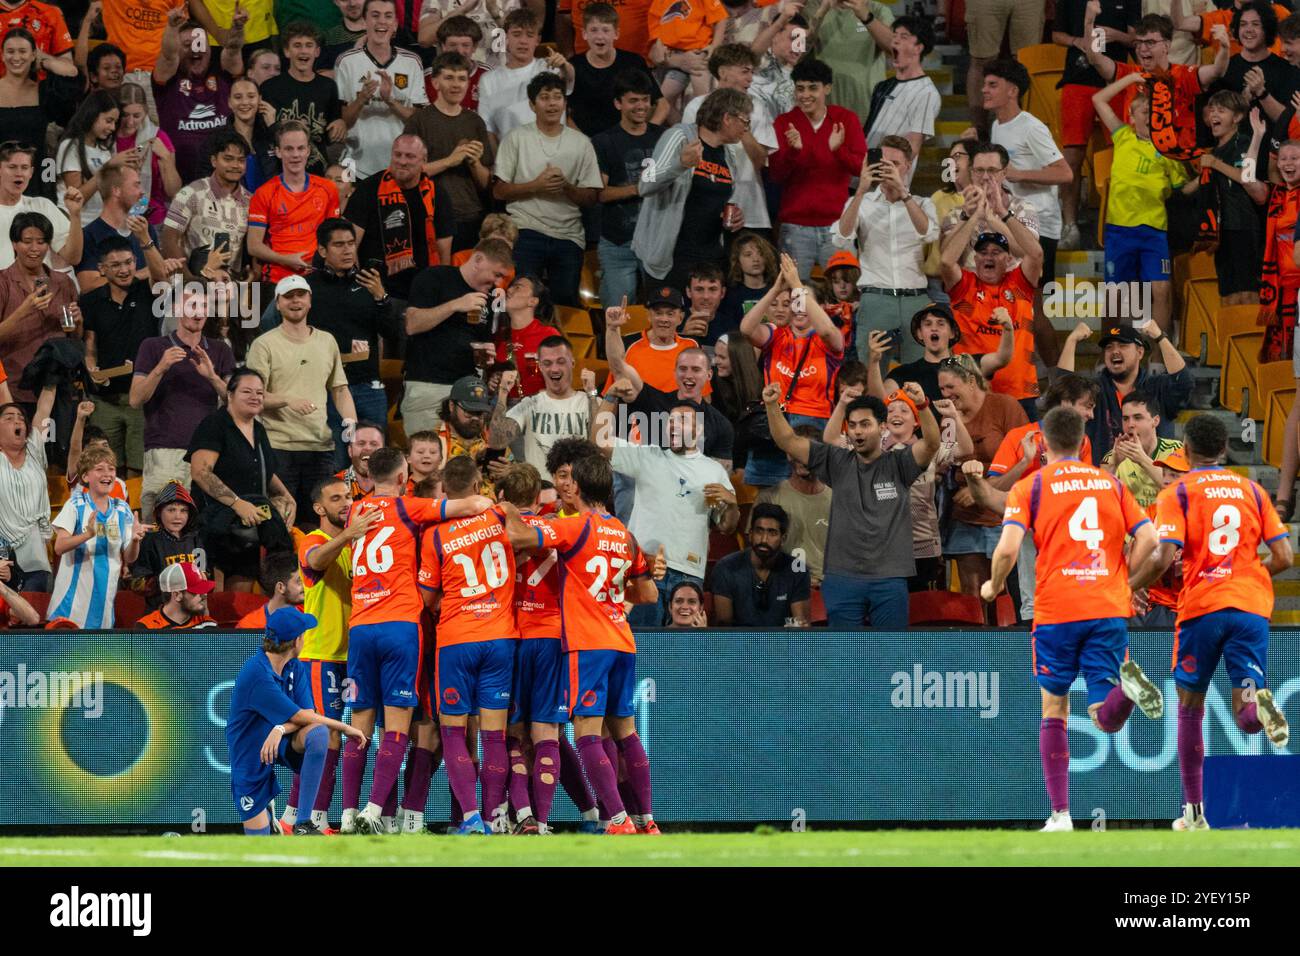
621,157
711,187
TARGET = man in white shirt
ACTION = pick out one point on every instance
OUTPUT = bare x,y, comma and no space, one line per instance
733,66
679,492
17,164
890,228
501,100
1037,168
381,86
546,172
907,103
543,418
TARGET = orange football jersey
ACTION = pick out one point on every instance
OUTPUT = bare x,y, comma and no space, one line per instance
1164,590
1079,516
1219,519
598,556
537,591
1009,452
471,561
385,560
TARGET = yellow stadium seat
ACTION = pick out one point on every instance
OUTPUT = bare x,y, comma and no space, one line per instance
1101,163
597,365
1200,304
638,320
396,433
1270,377
583,344
133,488
1045,63
1277,407
1233,319
1202,266
1239,354
588,283
571,320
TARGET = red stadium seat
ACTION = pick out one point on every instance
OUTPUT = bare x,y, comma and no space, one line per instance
227,607
944,607
1006,610
39,600
817,608
128,608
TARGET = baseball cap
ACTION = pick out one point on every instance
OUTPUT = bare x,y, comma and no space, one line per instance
289,284
665,295
994,237
184,577
1175,460
1120,332
843,259
287,624
471,394
944,312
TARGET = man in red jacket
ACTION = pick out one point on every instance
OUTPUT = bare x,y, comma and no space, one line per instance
819,149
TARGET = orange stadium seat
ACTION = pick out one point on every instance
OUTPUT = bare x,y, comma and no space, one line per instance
1238,379
1046,64
1270,377
1277,408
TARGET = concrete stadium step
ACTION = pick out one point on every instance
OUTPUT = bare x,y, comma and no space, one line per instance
942,77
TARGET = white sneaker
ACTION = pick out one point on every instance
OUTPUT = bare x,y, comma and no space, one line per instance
349,824
1058,822
500,823
1271,716
1190,820
1138,688
1070,237
367,824
413,822
389,825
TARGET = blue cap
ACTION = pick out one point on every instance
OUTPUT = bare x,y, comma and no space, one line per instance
287,624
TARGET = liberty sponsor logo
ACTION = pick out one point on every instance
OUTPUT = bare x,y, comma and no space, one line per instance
976,690
76,909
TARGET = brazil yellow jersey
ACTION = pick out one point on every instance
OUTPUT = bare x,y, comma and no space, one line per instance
1140,181
328,597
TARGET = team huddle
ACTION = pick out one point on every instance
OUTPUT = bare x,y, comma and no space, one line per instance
531,633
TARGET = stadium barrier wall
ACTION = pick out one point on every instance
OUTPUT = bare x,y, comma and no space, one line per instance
800,726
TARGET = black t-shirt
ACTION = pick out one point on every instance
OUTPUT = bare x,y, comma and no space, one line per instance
738,300
443,354
315,103
621,155
363,209
239,465
923,373
1236,209
1281,79
719,436
711,186
158,549
119,328
1116,14
591,104
755,603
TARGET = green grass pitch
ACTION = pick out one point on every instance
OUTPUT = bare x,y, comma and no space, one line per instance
812,848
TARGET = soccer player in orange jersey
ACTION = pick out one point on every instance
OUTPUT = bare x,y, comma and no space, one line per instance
1219,519
537,704
384,648
1079,516
467,567
601,565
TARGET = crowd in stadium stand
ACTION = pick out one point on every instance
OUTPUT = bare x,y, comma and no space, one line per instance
250,244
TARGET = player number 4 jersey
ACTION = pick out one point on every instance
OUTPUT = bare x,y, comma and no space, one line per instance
1219,519
598,558
1079,517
